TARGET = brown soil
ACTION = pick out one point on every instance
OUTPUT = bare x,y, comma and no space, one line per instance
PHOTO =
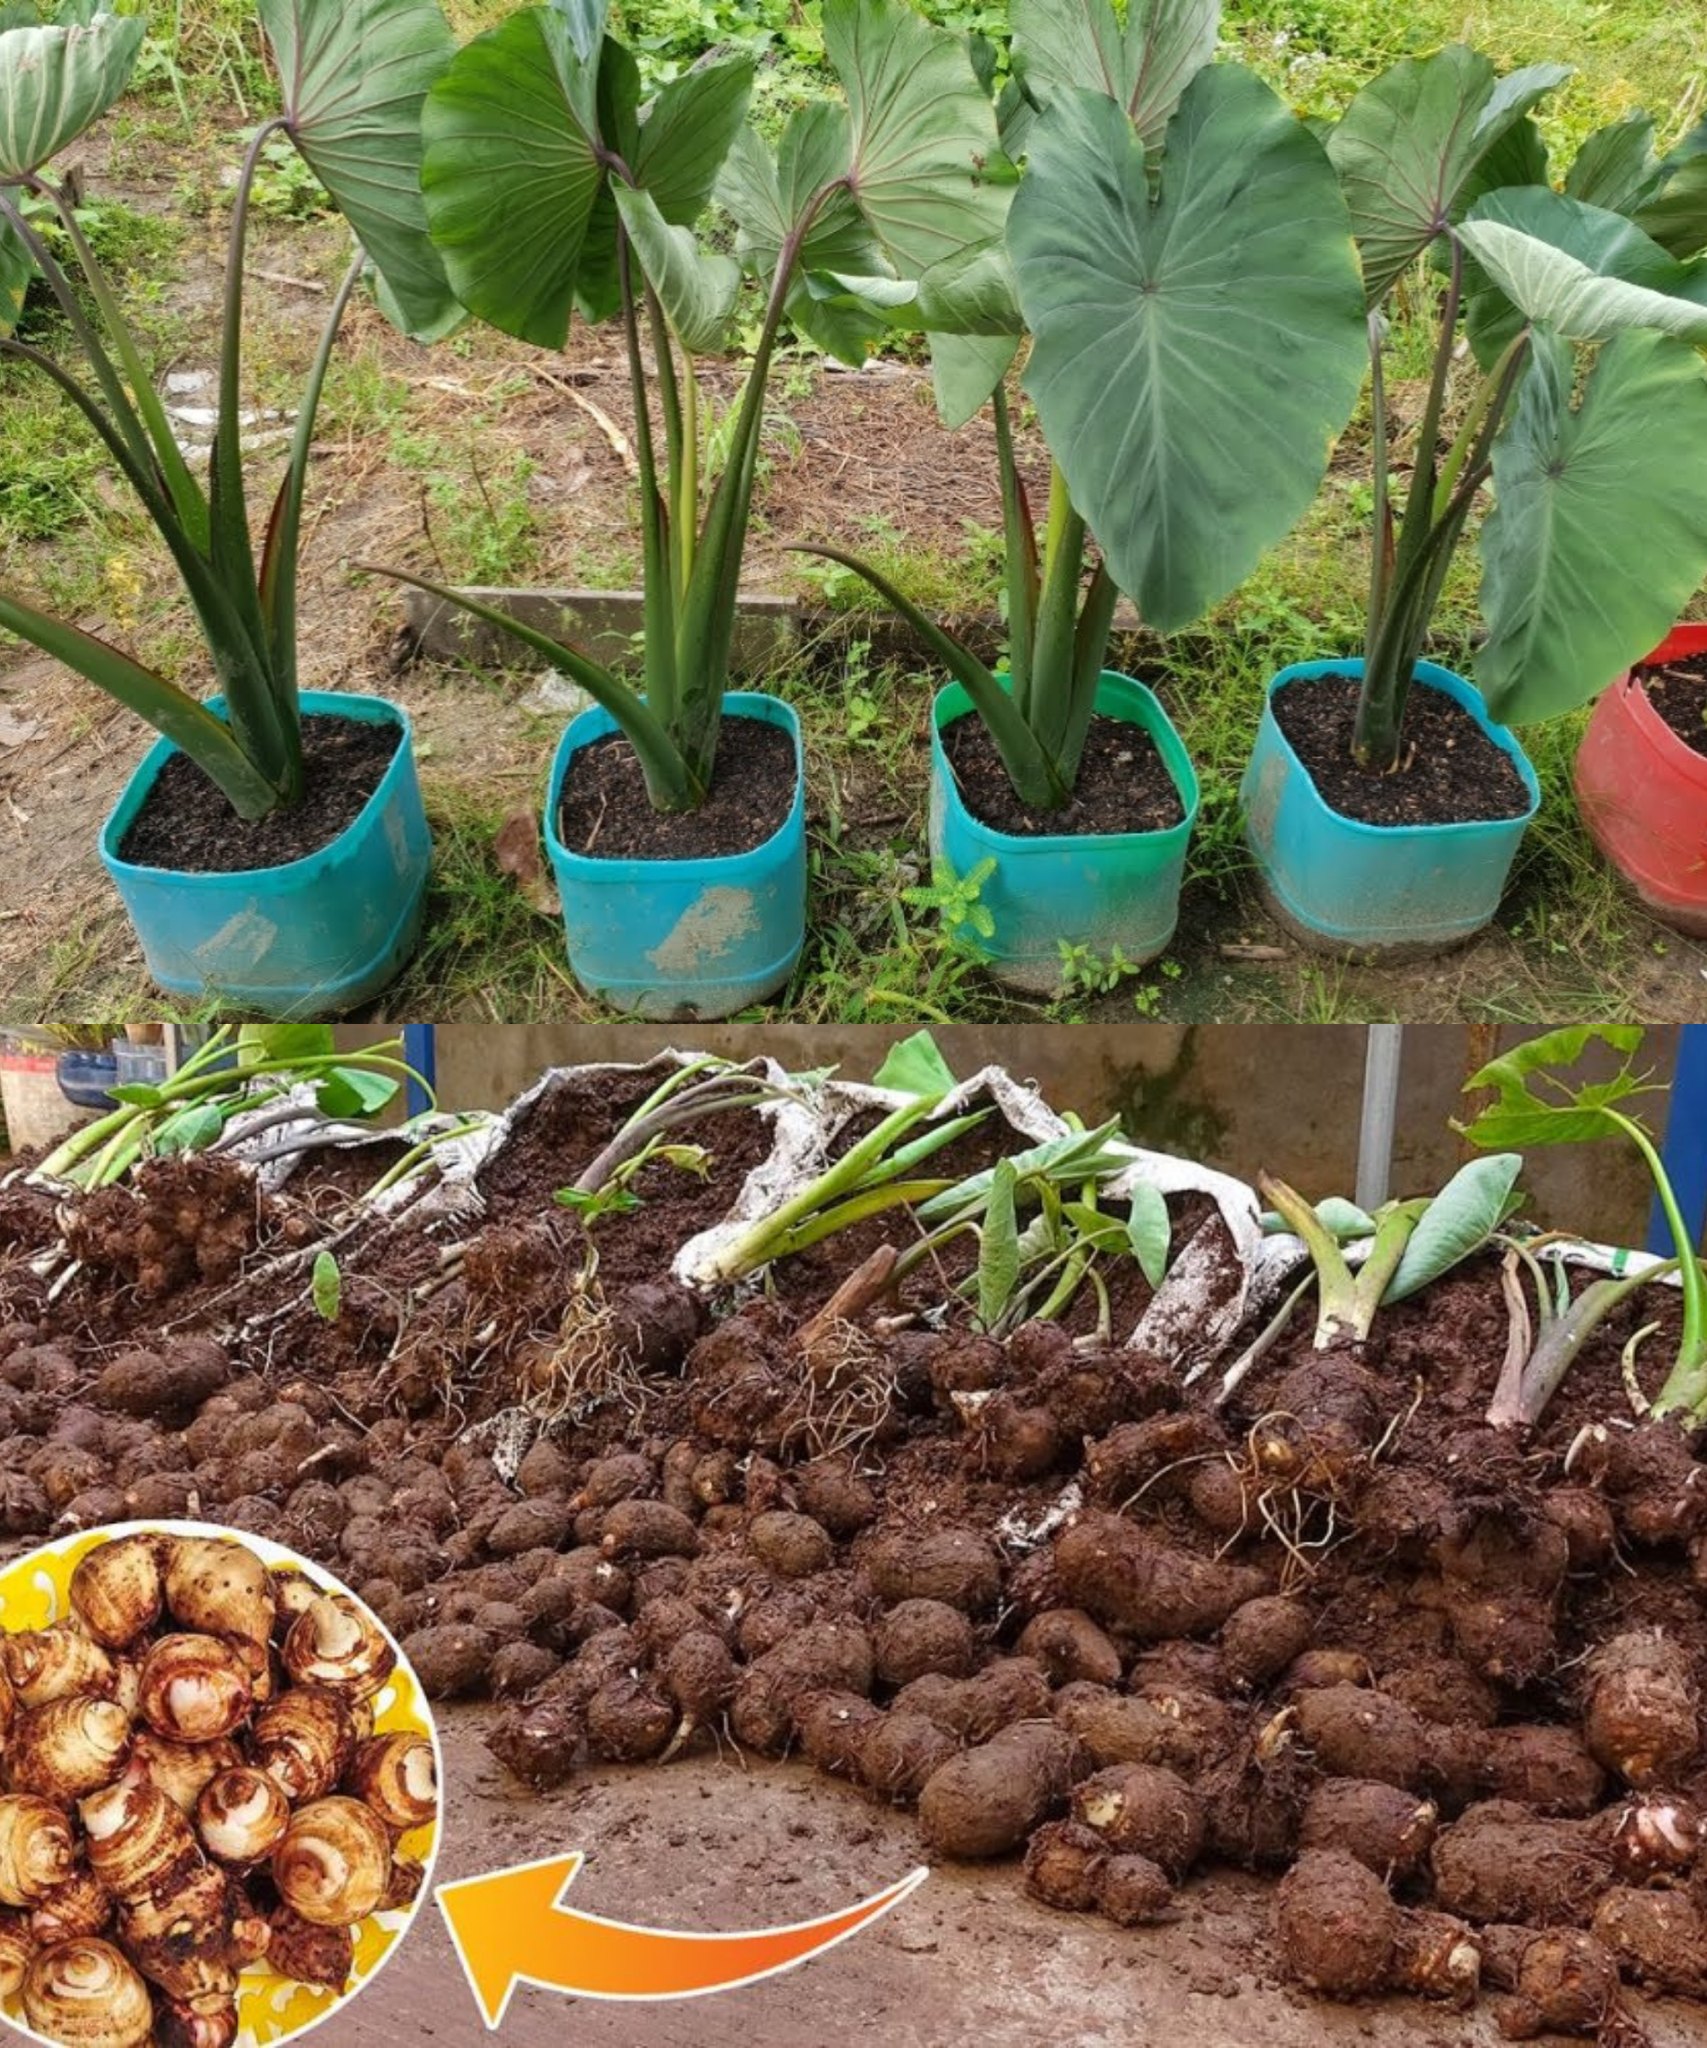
1449,773
1451,1584
605,811
1678,692
1123,785
186,824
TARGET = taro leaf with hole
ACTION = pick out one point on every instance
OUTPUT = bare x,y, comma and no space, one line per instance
1598,536
1463,1216
1145,64
1535,1105
1149,1232
915,1067
56,81
354,75
1195,349
1409,147
327,1287
998,1246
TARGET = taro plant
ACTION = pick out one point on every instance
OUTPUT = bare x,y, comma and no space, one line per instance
352,78
1179,258
551,188
885,1170
1598,531
278,1074
1537,1101
1403,1247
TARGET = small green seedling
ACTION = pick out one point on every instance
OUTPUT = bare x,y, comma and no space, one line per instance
1536,1103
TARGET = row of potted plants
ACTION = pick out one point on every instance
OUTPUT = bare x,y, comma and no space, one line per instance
1199,288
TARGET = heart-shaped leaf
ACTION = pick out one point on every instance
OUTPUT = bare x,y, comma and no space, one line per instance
1409,146
922,133
1616,167
354,74
56,81
1598,536
1145,65
511,172
1195,348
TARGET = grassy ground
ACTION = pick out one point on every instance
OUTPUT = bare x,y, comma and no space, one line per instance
471,461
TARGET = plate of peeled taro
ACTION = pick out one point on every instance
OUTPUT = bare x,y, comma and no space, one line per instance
218,1791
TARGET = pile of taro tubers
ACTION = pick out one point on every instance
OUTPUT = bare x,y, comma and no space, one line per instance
1436,1684
190,1783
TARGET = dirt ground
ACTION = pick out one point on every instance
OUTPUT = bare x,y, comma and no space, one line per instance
967,1962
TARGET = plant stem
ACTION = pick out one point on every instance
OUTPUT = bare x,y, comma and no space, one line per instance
662,682
1381,520
1397,639
1021,560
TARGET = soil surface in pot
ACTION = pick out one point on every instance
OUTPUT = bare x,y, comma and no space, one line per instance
1334,1612
1450,772
187,825
1678,692
1123,786
606,815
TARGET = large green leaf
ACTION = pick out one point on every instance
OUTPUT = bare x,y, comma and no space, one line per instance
1585,273
354,74
687,132
1195,350
771,197
1409,146
511,172
1145,65
56,81
923,132
971,292
696,289
1598,536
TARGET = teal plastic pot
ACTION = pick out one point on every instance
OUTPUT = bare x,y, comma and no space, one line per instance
311,938
684,938
1345,887
1098,890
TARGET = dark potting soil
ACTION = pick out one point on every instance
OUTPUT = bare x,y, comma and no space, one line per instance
1123,786
1678,692
605,811
1449,773
186,824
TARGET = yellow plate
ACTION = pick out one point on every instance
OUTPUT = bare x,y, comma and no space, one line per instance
35,1590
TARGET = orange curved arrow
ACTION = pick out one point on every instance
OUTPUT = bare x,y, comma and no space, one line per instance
509,1929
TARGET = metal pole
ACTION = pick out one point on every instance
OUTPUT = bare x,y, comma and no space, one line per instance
1685,1141
1380,1114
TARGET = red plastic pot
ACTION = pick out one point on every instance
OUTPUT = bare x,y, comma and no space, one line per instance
1643,794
